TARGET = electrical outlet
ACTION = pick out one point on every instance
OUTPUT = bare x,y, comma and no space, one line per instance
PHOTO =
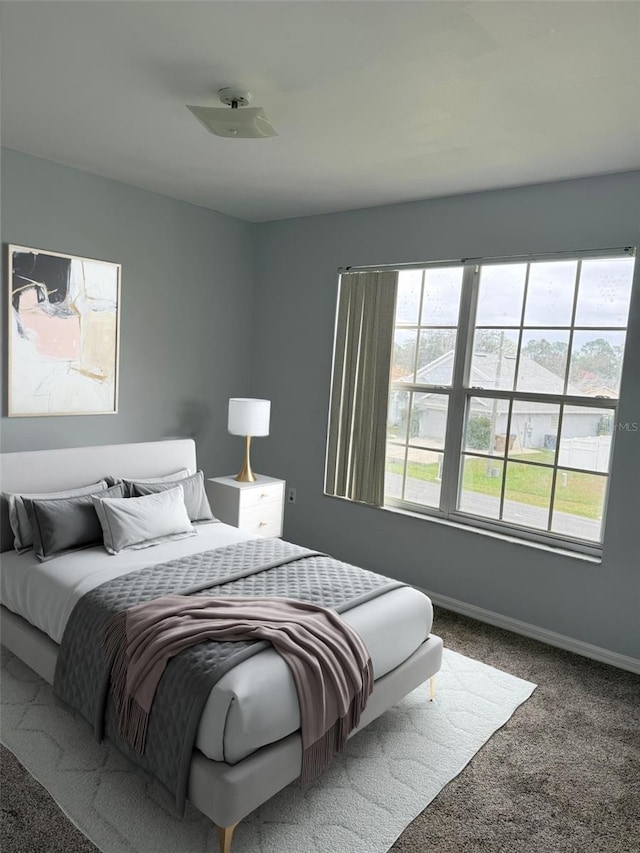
291,496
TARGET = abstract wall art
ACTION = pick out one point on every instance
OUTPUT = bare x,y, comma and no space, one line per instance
64,314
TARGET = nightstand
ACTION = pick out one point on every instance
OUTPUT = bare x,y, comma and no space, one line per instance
257,507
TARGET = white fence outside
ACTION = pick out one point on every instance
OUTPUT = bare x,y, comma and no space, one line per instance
591,453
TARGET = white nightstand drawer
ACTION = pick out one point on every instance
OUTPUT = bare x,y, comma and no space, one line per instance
261,494
257,507
265,520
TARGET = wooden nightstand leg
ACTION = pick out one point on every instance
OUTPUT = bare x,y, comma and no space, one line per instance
432,688
226,834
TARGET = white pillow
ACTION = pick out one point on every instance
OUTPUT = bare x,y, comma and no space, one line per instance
134,523
195,496
19,516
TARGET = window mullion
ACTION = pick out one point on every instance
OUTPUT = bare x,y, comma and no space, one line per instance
505,460
567,367
457,398
406,445
521,332
418,330
556,460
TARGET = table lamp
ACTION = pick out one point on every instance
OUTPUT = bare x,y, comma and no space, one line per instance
248,417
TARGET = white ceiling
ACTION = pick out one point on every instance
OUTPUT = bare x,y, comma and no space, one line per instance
375,102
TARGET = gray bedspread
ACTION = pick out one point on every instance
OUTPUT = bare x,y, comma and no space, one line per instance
258,567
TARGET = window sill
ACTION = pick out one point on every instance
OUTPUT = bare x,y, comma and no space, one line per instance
494,534
482,531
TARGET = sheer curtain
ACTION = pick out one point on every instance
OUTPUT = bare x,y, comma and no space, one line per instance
360,386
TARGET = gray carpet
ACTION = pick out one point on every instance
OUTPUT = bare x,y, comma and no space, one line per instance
562,775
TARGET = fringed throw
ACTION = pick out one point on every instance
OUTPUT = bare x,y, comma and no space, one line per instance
328,659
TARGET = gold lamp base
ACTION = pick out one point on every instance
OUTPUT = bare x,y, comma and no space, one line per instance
246,475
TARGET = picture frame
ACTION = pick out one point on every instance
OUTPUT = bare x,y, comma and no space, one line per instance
63,334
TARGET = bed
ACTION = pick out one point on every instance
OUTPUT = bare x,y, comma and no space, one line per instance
247,745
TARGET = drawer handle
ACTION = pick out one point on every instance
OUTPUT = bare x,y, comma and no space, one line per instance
263,524
264,495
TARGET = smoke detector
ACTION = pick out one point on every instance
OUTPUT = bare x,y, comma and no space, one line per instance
239,121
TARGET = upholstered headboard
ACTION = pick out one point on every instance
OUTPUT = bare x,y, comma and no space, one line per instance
34,471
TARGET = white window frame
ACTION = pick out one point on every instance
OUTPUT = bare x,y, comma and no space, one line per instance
459,393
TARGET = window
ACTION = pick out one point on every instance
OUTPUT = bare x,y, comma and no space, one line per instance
503,393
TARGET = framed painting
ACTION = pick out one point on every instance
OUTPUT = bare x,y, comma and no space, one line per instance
64,321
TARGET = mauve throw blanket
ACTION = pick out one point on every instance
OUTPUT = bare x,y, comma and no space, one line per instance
328,659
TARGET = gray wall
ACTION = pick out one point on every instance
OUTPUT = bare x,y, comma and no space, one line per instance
186,302
296,292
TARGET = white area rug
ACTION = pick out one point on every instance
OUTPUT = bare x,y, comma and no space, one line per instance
362,803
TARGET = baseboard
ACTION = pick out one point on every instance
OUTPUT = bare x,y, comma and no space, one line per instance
551,638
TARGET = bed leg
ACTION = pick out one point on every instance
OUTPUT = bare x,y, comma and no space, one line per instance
432,688
226,834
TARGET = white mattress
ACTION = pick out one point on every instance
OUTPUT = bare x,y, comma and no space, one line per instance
255,703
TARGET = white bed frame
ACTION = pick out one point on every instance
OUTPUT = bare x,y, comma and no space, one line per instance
224,793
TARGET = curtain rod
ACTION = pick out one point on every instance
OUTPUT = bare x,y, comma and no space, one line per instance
618,250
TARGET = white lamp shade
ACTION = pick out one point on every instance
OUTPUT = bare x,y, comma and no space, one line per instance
248,416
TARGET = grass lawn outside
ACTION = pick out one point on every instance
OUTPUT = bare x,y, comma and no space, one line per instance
576,493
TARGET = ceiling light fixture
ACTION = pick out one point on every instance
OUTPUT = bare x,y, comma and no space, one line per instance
239,122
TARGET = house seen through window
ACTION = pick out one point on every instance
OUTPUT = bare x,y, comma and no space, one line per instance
503,393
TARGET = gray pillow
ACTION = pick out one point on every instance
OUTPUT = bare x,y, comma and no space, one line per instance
168,478
133,523
195,498
61,525
19,514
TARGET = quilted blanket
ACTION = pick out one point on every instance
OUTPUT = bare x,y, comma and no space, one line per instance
258,567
